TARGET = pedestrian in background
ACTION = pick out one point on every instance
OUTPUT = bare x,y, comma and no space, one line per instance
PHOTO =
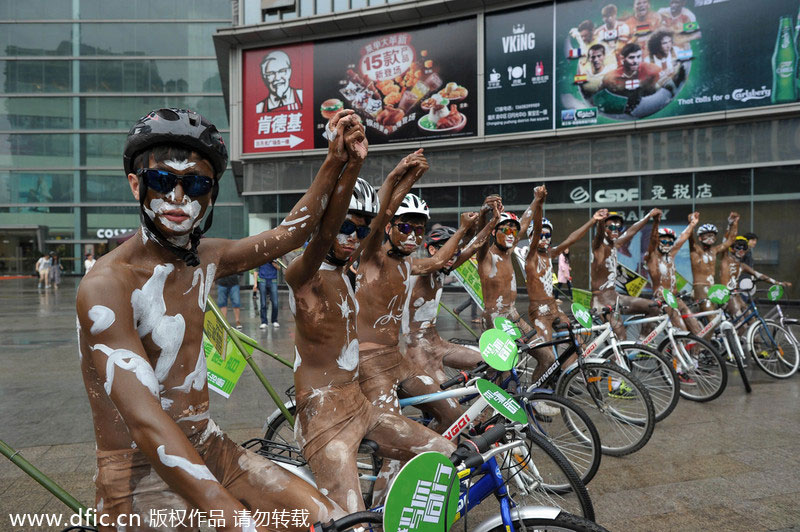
267,279
752,240
89,262
55,270
564,271
228,288
43,269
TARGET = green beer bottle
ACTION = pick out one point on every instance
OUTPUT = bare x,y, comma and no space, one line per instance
784,62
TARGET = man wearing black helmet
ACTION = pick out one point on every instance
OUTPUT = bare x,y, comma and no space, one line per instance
140,324
333,415
731,269
423,343
608,239
703,252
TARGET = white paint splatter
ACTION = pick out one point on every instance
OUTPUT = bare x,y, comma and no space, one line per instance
102,318
296,220
292,302
198,471
348,359
297,359
197,378
179,165
327,266
166,403
611,266
495,259
130,361
425,379
195,417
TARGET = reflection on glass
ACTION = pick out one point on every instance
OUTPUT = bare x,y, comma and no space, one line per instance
186,39
35,76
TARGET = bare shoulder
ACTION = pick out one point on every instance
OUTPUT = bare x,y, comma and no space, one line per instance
107,284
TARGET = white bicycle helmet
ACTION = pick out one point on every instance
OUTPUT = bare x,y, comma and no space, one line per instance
364,200
707,228
545,223
508,217
413,204
666,231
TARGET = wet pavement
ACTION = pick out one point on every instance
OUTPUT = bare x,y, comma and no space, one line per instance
728,465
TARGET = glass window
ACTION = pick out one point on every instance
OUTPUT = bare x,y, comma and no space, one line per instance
341,5
35,113
440,197
35,10
776,252
103,149
323,6
776,180
122,112
35,76
35,187
150,76
106,185
35,39
116,217
147,9
472,197
286,202
229,222
59,220
180,39
729,183
267,203
358,4
306,8
34,145
227,189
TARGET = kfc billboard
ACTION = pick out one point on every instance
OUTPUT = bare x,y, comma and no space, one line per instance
277,99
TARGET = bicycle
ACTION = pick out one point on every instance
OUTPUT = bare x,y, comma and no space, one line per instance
422,494
617,402
776,315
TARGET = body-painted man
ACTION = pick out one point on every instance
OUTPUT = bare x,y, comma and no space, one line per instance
423,343
543,308
333,415
383,289
732,267
608,239
703,253
660,261
140,324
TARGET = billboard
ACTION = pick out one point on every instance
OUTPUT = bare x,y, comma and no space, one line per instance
419,84
643,59
518,77
277,99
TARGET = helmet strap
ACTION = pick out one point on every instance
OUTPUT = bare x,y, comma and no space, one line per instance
331,257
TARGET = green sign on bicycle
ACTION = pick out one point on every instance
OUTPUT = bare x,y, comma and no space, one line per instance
507,326
719,294
582,315
775,292
498,349
503,404
419,495
669,298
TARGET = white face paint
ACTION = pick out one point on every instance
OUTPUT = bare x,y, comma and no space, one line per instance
189,207
149,316
509,240
130,361
179,166
102,318
198,471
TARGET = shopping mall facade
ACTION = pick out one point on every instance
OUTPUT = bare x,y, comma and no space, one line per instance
76,74
711,125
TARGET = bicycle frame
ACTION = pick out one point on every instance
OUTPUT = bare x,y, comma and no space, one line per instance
720,319
665,325
464,420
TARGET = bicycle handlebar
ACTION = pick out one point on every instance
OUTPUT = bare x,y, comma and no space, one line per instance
469,450
464,376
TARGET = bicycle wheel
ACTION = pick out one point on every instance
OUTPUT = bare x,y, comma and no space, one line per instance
738,357
657,374
616,401
773,349
279,430
562,522
569,429
539,475
706,377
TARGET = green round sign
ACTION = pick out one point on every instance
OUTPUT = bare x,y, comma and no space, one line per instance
669,298
498,349
775,292
582,315
507,326
503,404
719,294
418,495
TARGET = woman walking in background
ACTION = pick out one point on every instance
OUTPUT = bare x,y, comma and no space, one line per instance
564,275
55,270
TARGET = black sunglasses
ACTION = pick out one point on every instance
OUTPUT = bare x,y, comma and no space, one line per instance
545,236
348,227
406,228
164,182
614,226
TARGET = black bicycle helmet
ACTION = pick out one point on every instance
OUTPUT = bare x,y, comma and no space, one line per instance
439,236
179,127
187,129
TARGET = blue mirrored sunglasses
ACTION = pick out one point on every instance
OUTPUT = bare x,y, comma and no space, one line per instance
164,182
348,227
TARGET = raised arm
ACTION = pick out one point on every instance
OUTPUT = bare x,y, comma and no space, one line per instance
239,255
395,187
652,245
692,239
576,235
635,228
306,265
761,277
539,195
478,240
599,234
132,384
437,262
492,203
684,236
530,213
730,233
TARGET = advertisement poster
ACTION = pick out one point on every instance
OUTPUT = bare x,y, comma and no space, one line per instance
640,59
519,70
278,98
225,364
467,275
419,84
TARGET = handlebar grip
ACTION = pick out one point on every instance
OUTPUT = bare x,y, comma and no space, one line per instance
655,304
458,379
558,325
492,435
527,336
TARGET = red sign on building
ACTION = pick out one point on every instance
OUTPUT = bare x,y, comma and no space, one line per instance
278,99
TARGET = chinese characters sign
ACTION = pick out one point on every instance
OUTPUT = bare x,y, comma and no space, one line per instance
277,99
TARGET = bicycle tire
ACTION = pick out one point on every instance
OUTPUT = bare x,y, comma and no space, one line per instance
657,374
738,357
773,350
572,432
539,475
622,430
707,379
563,522
281,431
